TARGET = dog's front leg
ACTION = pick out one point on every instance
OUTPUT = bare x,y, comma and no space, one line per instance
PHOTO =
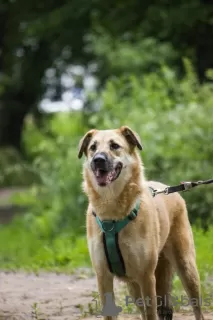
149,291
105,287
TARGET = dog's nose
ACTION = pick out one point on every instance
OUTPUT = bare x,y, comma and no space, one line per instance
100,161
100,158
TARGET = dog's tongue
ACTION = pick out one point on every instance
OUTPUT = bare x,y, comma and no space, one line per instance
104,177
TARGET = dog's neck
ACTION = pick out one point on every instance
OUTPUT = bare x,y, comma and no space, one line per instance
112,202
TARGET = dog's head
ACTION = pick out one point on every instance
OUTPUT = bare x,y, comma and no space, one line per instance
110,154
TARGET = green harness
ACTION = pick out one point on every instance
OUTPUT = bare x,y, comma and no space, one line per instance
110,229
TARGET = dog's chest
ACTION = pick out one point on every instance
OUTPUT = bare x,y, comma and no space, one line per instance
132,249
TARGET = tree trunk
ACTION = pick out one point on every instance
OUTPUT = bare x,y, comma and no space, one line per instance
204,48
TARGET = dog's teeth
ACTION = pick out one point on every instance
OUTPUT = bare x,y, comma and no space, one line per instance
98,172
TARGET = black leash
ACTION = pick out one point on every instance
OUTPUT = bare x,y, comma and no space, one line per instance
184,186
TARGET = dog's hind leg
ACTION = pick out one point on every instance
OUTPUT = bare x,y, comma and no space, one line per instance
164,275
135,293
185,261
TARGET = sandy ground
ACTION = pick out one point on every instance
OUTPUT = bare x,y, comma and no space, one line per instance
49,296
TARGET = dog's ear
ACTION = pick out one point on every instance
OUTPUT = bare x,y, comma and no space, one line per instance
131,137
83,144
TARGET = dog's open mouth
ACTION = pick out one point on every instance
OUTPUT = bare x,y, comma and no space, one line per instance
104,177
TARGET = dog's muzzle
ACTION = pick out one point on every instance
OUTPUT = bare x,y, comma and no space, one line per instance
100,161
104,170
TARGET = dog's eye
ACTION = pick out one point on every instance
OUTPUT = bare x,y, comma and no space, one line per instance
93,147
114,146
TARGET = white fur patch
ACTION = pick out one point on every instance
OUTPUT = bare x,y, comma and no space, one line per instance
96,250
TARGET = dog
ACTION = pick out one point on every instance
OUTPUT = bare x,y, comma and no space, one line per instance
154,243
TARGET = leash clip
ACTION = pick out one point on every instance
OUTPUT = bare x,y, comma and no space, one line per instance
157,191
187,185
200,182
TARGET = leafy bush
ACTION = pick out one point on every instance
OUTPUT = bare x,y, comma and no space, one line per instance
51,233
173,118
13,170
129,54
56,204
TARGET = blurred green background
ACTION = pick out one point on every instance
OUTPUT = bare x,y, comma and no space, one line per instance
71,66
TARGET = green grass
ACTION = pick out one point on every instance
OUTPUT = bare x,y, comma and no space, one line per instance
23,249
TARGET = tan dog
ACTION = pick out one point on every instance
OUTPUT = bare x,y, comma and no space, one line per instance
153,245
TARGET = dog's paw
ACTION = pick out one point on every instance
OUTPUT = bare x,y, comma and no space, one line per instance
165,313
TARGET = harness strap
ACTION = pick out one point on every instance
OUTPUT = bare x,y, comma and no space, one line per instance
110,229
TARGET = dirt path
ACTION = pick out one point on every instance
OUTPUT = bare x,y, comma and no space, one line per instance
49,296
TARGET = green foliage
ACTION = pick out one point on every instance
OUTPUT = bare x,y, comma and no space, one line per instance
56,204
13,170
204,245
173,120
134,55
55,35
172,117
51,234
138,58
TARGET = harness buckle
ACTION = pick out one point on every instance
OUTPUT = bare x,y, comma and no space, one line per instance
132,215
